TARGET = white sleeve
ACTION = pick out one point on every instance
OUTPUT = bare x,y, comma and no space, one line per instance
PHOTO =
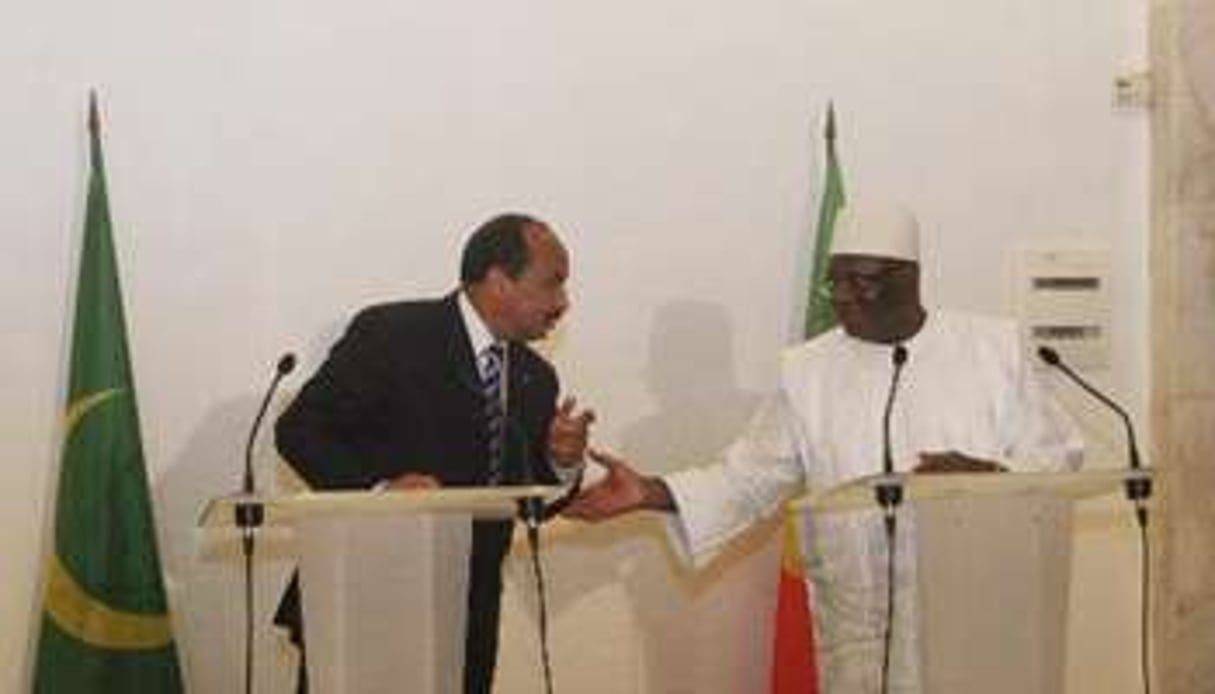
758,471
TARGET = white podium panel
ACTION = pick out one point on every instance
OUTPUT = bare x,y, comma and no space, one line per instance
993,569
384,577
993,576
384,602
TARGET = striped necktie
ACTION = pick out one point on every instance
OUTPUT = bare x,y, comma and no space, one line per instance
495,414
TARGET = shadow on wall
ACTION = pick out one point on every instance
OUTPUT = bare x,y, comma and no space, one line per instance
702,631
205,568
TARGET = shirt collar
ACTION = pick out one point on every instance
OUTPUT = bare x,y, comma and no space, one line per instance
479,335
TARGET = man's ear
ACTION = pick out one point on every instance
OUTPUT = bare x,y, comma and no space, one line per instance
497,281
493,277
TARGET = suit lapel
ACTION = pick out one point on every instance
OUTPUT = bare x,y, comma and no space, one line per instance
520,375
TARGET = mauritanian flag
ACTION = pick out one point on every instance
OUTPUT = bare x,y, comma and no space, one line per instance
794,670
105,623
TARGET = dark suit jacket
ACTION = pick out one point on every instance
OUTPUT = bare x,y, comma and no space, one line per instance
400,392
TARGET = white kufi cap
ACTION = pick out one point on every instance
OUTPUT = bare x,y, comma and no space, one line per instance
882,231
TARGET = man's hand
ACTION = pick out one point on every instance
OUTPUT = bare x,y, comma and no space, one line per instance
414,480
568,433
953,461
621,491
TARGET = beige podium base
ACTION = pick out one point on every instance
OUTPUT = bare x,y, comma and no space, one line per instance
384,602
993,570
384,578
993,576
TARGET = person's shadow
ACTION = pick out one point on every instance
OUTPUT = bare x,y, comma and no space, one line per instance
205,566
701,631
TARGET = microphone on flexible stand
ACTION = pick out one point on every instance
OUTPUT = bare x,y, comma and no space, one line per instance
531,508
250,513
1138,491
889,493
1138,488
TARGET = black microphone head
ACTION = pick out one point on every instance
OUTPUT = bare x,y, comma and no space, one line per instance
900,355
285,364
1049,355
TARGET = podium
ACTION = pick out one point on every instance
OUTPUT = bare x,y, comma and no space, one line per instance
384,578
993,565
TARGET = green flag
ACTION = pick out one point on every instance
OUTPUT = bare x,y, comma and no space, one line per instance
820,316
105,621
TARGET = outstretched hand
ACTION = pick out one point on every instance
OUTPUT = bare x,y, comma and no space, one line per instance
623,490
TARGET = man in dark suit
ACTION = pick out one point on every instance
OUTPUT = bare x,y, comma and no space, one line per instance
402,402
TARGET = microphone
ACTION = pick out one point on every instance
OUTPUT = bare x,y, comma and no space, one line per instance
249,515
531,509
1138,488
890,494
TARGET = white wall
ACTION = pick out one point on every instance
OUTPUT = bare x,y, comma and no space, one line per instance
276,164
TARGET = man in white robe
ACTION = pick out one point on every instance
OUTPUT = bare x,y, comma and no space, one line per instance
967,401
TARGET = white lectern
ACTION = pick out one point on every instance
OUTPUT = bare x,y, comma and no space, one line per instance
993,562
384,578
